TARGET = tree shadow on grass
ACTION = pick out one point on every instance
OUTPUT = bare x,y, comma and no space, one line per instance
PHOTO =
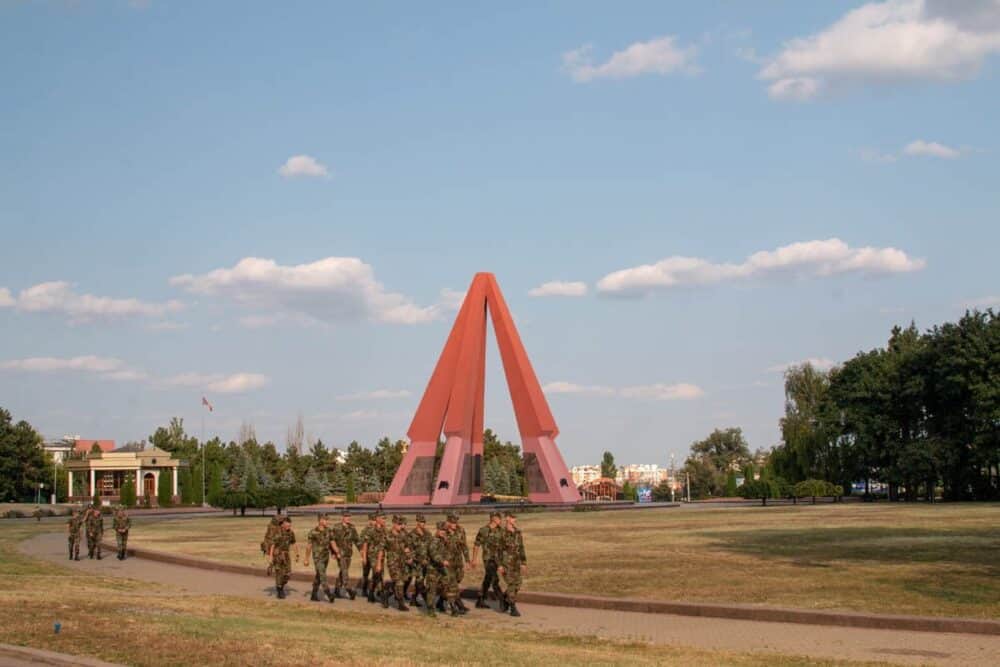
977,548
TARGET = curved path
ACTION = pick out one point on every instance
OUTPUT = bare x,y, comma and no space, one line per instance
891,646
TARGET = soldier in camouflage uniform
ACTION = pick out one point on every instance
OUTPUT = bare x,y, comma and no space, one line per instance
281,559
441,581
122,523
513,561
272,529
75,524
398,560
419,539
346,537
366,567
373,552
456,534
95,531
319,545
488,539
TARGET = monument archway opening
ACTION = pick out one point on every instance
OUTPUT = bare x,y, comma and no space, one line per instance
452,405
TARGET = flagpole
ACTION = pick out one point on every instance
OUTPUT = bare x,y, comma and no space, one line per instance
204,498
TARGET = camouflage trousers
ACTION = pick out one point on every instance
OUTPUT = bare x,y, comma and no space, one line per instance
282,567
343,577
93,544
442,581
375,578
320,561
512,576
399,572
490,578
74,545
122,539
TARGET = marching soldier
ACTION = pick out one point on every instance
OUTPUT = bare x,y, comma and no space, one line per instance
441,582
272,530
420,540
373,554
513,562
399,559
488,539
456,534
95,531
75,524
366,567
279,556
320,544
345,536
122,523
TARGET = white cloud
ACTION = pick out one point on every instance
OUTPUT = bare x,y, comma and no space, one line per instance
86,364
808,258
873,155
984,302
898,40
377,394
60,298
304,166
329,290
819,363
655,392
450,299
657,56
559,288
115,369
360,415
238,383
923,148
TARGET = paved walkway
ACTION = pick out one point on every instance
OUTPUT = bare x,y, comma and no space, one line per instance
890,646
22,656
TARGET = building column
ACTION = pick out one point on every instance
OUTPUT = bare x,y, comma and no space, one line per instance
93,484
175,482
69,483
139,491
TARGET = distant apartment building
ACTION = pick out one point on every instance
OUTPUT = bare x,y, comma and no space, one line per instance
73,444
642,474
585,474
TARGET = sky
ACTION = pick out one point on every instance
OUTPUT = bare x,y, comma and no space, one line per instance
279,206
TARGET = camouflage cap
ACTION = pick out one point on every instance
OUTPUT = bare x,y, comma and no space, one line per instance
442,525
401,520
495,515
453,517
510,514
321,516
420,519
345,513
396,518
371,516
286,519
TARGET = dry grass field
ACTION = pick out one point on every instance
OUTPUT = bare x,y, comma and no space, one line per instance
142,624
939,560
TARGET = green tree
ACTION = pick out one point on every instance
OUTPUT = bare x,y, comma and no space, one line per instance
22,460
315,487
216,489
731,484
127,495
608,468
350,492
164,489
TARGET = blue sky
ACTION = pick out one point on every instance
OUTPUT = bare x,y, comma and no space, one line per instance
276,206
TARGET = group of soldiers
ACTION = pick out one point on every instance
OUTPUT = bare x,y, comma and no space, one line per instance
394,559
91,521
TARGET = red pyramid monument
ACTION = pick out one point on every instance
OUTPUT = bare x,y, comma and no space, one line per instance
453,404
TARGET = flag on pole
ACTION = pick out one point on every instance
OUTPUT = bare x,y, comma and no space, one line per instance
204,401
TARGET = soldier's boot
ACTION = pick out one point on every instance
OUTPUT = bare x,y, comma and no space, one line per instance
281,592
400,604
461,605
454,609
431,603
99,554
315,593
440,603
481,602
504,603
71,552
513,609
351,593
364,587
418,589
385,595
331,595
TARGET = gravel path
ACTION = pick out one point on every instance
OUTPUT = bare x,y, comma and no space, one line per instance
923,648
